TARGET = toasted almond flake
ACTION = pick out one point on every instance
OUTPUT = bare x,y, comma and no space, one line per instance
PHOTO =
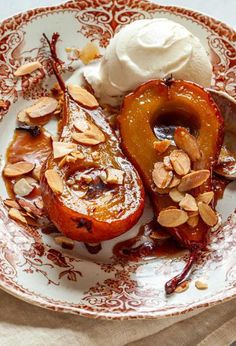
11,204
77,155
36,173
180,162
23,117
200,285
82,96
64,242
161,176
43,106
81,125
188,203
89,138
193,179
205,197
103,177
182,287
114,176
89,53
167,163
22,187
16,215
174,182
27,68
30,207
18,169
193,221
207,214
185,141
61,149
161,146
176,195
39,203
54,181
172,217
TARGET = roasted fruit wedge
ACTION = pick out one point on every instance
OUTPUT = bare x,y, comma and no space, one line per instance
90,190
172,132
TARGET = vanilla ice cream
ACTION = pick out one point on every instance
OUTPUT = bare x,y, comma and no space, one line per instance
148,49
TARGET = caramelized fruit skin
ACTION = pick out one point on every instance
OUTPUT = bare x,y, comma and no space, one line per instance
106,211
140,113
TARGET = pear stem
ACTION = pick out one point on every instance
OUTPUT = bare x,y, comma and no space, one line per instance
171,285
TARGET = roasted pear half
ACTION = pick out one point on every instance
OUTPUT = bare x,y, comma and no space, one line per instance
90,190
172,132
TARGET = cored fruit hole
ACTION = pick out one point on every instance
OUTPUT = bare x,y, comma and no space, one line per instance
168,120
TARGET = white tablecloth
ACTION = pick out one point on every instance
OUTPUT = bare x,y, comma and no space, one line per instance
22,324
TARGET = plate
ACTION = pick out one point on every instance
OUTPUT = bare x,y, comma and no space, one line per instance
35,269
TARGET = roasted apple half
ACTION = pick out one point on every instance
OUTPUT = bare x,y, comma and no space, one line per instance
90,190
172,132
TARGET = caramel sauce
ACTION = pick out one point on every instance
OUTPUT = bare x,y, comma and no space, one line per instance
144,245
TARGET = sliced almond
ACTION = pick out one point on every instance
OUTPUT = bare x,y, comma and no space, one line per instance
11,204
23,117
30,207
81,125
93,136
43,106
193,213
182,287
114,176
188,203
180,162
167,163
89,53
103,177
161,146
64,242
193,179
61,149
16,215
22,187
27,68
161,176
39,203
185,141
36,173
54,181
176,195
174,182
172,217
205,197
193,221
82,96
17,169
207,214
200,285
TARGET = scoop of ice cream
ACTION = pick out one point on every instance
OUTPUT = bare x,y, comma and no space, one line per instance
148,49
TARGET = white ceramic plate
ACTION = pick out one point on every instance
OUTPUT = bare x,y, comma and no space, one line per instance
32,266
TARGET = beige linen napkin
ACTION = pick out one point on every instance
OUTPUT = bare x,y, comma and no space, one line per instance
22,324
